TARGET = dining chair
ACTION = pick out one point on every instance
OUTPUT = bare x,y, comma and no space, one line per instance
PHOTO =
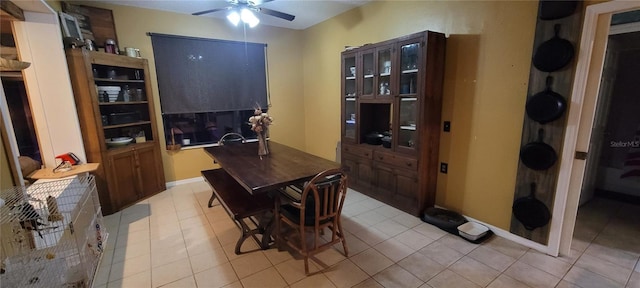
307,210
228,138
231,138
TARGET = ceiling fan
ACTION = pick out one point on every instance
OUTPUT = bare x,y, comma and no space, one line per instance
252,6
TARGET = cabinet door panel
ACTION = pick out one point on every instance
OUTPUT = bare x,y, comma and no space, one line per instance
386,182
365,173
409,66
407,184
122,184
148,171
384,80
351,168
366,75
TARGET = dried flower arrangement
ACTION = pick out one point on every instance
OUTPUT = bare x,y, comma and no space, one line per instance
260,121
260,124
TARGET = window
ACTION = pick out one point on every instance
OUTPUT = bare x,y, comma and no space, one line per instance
208,87
207,127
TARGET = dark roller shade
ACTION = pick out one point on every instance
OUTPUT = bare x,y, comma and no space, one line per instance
208,75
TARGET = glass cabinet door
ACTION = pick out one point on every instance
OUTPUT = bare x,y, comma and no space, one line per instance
407,119
409,82
349,86
367,76
384,83
349,118
409,60
349,74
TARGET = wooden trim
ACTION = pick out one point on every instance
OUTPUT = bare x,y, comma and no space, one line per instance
16,173
570,178
10,10
546,179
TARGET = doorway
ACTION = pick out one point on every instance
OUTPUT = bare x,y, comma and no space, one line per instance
607,223
576,148
613,166
604,239
19,141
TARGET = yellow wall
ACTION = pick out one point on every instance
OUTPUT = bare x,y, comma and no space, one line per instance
284,60
487,67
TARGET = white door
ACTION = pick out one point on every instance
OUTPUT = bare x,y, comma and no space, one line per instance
598,133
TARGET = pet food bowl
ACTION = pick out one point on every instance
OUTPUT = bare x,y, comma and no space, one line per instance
472,230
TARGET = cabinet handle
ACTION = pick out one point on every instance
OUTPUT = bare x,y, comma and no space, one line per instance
380,157
409,164
366,154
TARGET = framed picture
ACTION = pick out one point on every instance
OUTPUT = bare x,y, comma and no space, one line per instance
70,26
96,24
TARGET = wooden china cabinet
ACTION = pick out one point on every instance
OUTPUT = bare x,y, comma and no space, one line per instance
128,171
394,88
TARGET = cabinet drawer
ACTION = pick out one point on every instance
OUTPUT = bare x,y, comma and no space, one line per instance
358,151
396,160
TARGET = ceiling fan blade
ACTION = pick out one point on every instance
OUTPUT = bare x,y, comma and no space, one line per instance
275,13
209,11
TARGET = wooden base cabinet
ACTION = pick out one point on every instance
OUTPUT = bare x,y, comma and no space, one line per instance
394,88
131,171
135,173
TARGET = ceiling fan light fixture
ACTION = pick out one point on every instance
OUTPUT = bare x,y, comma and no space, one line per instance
233,17
249,18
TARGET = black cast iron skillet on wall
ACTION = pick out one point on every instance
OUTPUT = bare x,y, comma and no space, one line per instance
553,54
546,106
554,9
538,155
531,212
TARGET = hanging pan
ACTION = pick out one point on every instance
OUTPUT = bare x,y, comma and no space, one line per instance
547,105
554,9
553,54
538,155
531,212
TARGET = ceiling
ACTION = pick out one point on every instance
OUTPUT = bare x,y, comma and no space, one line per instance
307,12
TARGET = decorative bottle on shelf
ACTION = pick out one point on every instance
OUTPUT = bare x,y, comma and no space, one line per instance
126,94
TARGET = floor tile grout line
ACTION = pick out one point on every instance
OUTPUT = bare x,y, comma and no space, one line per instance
519,258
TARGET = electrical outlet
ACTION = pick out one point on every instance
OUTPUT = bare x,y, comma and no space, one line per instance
447,126
444,167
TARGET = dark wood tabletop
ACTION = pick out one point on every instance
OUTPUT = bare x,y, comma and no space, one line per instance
283,166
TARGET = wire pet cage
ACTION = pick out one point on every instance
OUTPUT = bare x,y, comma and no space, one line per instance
51,233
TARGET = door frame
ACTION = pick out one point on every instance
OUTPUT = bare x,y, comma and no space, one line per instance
584,96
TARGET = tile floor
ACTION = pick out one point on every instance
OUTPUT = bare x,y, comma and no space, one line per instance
173,240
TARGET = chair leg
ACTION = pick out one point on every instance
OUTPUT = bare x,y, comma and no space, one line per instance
306,265
344,246
344,240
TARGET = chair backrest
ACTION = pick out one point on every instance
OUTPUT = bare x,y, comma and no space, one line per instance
323,197
230,138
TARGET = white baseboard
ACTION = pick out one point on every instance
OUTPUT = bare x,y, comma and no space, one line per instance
510,236
184,181
513,237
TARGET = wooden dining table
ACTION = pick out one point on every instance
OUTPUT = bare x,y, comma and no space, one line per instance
283,166
271,173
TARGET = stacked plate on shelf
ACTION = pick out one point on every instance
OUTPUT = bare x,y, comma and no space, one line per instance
112,92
